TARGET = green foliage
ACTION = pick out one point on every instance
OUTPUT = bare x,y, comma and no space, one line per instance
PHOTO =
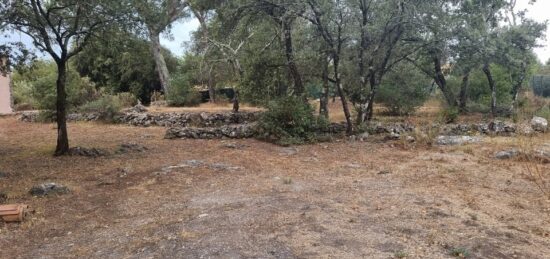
35,85
107,106
120,62
460,252
290,121
449,114
404,90
182,93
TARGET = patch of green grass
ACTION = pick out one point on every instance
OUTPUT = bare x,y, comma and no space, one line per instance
460,252
287,180
400,254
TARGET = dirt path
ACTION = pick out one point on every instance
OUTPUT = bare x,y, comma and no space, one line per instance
202,199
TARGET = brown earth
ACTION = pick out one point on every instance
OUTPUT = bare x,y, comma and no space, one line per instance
330,200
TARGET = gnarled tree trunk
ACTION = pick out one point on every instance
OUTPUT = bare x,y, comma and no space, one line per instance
162,69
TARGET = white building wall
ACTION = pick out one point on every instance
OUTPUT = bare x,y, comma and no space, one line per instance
5,95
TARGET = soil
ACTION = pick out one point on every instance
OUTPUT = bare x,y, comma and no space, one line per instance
250,199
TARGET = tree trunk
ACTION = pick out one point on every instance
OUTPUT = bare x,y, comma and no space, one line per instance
323,107
345,107
289,52
442,83
464,91
372,94
492,86
62,147
211,86
517,86
160,63
236,101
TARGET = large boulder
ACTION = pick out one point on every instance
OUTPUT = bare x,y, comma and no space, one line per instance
539,124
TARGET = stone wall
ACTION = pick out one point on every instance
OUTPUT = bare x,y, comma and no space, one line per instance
191,119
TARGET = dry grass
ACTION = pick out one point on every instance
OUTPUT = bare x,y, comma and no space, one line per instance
329,200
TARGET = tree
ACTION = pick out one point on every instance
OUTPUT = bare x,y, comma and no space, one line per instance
330,19
203,10
62,29
114,60
158,16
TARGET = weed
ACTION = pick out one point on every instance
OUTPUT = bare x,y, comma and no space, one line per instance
287,180
400,254
460,252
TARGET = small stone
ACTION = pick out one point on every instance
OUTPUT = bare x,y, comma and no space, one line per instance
48,188
3,175
384,172
410,139
507,154
289,151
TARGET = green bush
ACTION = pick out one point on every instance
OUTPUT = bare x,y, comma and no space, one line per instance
403,90
182,94
449,115
35,86
127,99
290,121
107,107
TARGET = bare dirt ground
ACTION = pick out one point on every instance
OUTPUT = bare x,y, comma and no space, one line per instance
329,200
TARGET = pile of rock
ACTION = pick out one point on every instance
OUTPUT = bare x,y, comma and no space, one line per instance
238,131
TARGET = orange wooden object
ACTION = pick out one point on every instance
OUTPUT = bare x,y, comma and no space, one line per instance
13,212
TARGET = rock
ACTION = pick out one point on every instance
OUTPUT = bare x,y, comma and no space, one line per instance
193,163
233,145
363,136
410,139
507,154
138,108
87,152
3,175
48,188
393,136
288,151
130,148
384,172
525,129
456,140
230,131
224,167
539,124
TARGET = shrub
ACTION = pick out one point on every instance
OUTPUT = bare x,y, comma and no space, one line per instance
127,99
107,107
181,94
449,114
290,121
35,86
403,90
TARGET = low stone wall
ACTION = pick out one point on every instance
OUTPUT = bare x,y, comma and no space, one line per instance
202,119
227,131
